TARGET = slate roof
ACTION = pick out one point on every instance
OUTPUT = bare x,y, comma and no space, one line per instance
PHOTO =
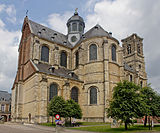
48,34
75,17
96,31
60,72
56,37
5,95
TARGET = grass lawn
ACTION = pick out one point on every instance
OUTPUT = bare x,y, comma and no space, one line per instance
91,123
80,123
107,128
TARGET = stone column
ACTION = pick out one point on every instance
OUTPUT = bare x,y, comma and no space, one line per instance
66,88
43,98
36,52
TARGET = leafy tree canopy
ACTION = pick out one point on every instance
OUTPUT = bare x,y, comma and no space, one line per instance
152,99
127,103
57,106
73,109
64,108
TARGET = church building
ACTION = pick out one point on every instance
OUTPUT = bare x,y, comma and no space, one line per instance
81,66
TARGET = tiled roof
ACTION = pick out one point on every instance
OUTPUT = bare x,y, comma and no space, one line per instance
61,72
5,95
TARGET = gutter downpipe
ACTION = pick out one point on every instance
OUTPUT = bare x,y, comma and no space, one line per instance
104,43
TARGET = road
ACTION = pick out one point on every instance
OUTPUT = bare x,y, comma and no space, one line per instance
30,128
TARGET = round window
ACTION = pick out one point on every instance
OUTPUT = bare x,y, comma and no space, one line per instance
73,38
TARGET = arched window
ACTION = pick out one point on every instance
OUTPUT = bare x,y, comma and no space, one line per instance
113,53
69,28
53,91
63,59
138,48
2,108
141,84
74,94
129,48
93,95
77,59
80,27
74,27
93,52
45,54
130,78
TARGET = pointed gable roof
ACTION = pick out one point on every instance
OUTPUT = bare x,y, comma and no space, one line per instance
47,33
96,31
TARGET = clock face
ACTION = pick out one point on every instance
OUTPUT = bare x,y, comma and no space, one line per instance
73,38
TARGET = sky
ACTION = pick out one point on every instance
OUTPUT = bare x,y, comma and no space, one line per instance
121,17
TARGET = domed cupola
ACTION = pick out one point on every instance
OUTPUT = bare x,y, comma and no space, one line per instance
76,27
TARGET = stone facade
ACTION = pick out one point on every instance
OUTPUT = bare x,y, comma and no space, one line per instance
31,89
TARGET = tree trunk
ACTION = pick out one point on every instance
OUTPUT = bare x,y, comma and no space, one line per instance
70,121
126,128
145,121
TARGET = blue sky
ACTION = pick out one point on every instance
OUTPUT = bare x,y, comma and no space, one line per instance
121,17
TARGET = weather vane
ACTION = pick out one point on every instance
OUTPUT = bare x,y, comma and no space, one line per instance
76,10
27,13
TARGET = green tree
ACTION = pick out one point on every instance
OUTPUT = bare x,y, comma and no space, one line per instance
152,100
64,108
127,103
73,110
57,106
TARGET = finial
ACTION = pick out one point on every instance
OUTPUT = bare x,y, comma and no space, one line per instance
76,13
26,13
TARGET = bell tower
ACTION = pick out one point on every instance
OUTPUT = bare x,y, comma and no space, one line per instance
76,27
134,57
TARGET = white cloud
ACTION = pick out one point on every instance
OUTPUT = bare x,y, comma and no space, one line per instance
9,56
11,11
2,6
1,24
8,47
90,5
58,22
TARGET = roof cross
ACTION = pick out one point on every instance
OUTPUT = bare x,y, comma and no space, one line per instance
27,13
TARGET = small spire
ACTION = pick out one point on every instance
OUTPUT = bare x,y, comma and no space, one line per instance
76,11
